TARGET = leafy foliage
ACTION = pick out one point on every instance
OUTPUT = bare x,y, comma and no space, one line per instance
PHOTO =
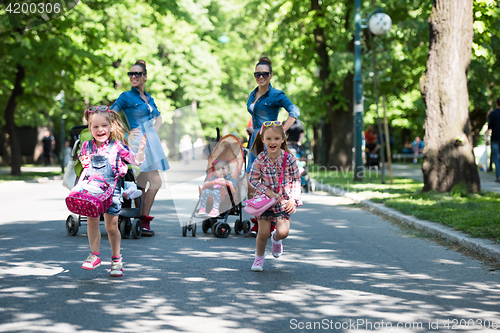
87,53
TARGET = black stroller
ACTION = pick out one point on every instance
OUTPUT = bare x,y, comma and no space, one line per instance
228,148
128,222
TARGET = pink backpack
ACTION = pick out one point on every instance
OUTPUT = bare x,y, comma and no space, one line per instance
88,204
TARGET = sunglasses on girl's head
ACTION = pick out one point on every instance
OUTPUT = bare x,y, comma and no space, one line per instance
98,108
135,74
272,122
265,75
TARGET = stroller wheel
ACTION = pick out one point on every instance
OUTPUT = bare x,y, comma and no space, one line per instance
205,226
214,228
193,229
136,228
222,229
184,229
72,224
246,226
238,226
124,223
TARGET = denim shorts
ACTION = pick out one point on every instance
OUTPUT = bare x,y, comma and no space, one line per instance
116,206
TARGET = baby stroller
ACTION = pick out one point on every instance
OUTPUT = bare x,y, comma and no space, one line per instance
303,165
128,222
228,148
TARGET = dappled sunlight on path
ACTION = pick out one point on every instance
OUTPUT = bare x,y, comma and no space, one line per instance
341,266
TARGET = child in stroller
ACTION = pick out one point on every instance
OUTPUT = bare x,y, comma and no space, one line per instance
226,161
218,183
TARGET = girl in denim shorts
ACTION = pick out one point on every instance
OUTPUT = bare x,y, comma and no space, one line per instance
105,155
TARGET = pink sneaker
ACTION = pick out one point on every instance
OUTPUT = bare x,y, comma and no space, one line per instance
258,264
277,248
116,267
214,213
91,262
202,211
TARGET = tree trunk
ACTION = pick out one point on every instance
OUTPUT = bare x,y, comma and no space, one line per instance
338,124
15,146
448,156
316,143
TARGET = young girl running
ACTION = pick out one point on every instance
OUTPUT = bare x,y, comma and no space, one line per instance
264,177
105,155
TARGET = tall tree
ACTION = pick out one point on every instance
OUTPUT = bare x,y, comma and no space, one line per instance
448,155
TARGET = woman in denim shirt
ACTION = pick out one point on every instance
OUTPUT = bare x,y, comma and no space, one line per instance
265,102
140,109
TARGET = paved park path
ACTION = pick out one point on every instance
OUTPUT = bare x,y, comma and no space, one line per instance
343,269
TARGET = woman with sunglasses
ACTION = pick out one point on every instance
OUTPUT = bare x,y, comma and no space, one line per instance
143,116
264,104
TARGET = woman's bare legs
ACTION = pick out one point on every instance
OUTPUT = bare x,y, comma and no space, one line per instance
148,196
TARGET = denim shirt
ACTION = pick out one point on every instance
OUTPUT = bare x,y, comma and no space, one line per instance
268,107
135,108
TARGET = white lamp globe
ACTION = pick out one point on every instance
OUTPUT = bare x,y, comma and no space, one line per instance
379,23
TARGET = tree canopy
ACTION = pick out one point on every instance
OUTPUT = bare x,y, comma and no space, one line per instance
87,52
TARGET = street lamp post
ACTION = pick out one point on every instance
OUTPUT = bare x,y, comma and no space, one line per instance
60,98
358,96
378,23
378,27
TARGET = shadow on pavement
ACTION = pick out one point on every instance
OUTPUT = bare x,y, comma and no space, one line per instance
341,265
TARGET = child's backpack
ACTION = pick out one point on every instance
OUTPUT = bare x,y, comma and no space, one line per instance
88,204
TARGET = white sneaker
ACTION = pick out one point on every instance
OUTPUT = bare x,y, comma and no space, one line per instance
134,194
116,267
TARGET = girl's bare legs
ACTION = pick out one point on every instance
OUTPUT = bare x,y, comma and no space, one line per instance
262,236
94,234
111,224
282,229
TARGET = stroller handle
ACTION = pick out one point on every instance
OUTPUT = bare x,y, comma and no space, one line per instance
76,128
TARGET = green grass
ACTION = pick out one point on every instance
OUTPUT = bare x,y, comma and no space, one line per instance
26,176
475,214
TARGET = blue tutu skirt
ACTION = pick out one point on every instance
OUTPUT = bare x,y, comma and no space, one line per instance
155,156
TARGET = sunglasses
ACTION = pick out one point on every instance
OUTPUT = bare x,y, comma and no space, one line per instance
98,108
265,75
270,123
135,74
